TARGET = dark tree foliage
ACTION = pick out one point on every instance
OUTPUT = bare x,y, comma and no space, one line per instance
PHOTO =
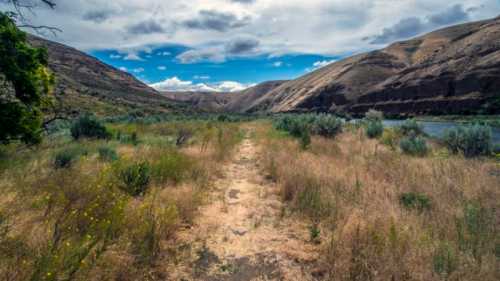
25,85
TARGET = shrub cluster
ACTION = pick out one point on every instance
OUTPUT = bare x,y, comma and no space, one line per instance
471,141
374,129
411,128
413,145
134,178
301,125
89,127
374,115
107,153
66,157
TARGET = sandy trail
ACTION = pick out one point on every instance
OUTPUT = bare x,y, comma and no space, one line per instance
242,234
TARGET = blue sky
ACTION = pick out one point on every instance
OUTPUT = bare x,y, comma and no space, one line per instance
227,45
155,64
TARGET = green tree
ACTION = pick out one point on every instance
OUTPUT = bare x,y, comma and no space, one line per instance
25,84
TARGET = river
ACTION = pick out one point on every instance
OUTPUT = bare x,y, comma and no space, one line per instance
437,129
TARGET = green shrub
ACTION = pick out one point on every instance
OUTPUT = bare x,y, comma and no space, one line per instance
411,128
134,178
317,124
471,141
327,126
172,166
66,157
89,127
416,146
417,201
374,129
107,153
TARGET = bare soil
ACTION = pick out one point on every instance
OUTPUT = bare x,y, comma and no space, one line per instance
243,233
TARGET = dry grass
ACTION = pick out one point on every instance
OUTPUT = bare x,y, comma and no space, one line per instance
76,223
352,187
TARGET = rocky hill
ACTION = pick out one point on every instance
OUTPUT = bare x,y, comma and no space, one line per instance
455,70
85,84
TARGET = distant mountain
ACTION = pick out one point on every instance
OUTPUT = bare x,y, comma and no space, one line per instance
455,70
224,102
85,84
202,101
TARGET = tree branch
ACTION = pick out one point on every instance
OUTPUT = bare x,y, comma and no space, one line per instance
20,5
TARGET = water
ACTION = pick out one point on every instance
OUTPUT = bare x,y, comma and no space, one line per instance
437,129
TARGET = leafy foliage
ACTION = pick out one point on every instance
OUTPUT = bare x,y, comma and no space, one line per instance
25,85
471,141
89,127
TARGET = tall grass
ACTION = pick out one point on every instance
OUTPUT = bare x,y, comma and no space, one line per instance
384,215
68,217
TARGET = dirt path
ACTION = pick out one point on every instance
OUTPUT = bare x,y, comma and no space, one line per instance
242,234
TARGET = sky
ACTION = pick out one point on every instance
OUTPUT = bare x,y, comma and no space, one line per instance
228,45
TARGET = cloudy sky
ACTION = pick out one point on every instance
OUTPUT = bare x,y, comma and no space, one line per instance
226,45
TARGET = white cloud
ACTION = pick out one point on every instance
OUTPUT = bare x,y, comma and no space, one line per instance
162,68
114,57
278,64
124,69
138,70
320,64
333,27
133,56
201,77
175,84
